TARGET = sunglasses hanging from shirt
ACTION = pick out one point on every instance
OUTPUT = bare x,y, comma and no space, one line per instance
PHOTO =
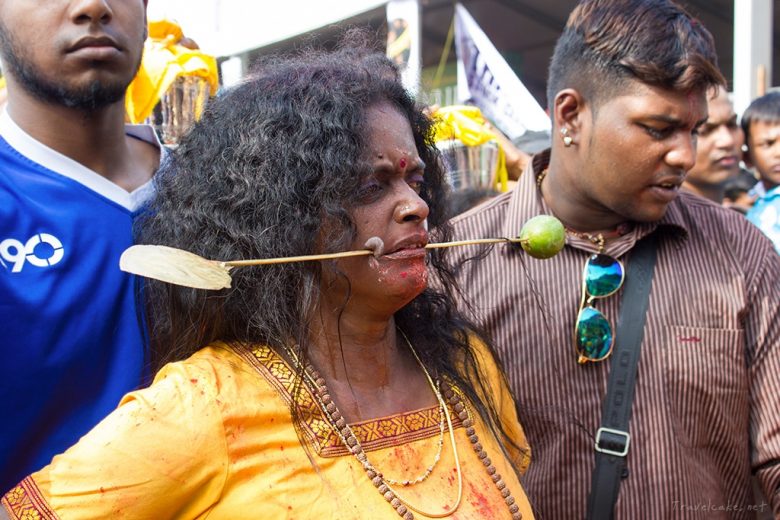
602,276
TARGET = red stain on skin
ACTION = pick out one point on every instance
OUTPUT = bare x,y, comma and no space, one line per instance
419,273
415,276
402,163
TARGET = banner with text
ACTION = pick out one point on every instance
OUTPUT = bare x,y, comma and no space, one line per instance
486,80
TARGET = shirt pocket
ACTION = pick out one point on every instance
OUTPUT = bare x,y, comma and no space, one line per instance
706,383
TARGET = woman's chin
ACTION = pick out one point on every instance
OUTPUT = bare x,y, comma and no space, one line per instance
404,279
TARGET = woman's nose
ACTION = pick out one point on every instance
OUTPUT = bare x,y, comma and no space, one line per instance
411,207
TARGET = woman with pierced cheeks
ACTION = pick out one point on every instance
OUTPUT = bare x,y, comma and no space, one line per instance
352,388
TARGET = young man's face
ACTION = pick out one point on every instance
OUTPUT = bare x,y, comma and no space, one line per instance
636,149
764,151
719,147
76,53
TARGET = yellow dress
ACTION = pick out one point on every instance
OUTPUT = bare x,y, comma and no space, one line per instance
212,437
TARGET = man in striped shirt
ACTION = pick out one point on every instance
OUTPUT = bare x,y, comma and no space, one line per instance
627,93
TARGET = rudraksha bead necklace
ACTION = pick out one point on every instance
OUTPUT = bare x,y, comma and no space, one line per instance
382,483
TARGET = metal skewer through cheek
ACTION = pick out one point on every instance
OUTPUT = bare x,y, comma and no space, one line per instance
187,269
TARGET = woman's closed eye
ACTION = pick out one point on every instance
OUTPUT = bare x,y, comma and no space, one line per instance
417,183
369,191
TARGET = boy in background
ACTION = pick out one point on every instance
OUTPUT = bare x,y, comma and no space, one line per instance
761,124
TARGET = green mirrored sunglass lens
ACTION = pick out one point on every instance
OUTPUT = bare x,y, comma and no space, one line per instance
593,334
603,275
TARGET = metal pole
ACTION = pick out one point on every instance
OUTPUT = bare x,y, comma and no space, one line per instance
752,50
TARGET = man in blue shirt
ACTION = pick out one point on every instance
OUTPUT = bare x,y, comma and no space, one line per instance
72,177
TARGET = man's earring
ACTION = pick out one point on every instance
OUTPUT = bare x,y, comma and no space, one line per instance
567,140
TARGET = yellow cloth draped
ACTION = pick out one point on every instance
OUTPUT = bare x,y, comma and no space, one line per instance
467,125
213,437
163,61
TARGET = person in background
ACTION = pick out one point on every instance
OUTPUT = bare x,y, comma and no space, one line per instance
72,176
718,149
738,192
628,88
761,123
311,389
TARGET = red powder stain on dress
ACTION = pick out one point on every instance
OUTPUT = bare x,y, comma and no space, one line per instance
193,381
480,502
281,447
236,433
452,476
406,458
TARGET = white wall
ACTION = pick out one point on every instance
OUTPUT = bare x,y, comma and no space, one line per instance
230,27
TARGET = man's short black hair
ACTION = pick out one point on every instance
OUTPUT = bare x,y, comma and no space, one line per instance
606,43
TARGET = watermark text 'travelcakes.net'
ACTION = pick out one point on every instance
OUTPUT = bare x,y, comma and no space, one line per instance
710,507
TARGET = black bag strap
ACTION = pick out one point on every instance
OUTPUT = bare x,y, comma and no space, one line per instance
613,438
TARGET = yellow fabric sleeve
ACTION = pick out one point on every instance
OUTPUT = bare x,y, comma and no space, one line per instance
153,457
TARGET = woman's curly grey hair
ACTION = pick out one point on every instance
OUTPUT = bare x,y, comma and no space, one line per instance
273,169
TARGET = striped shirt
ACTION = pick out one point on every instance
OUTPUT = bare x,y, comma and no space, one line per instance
706,412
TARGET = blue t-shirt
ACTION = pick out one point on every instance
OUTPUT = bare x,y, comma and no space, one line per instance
765,214
72,344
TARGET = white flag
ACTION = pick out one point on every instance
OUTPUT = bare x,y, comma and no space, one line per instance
485,79
403,40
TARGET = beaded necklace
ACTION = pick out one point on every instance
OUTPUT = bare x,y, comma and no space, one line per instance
404,509
597,239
